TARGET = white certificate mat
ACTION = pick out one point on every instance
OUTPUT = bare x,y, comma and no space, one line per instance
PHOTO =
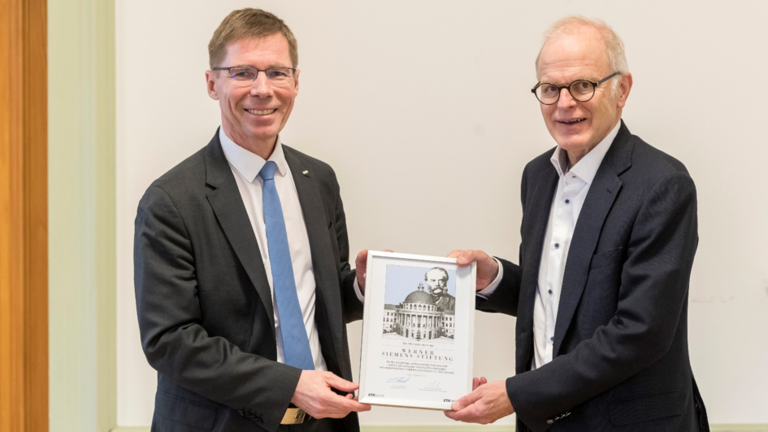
418,329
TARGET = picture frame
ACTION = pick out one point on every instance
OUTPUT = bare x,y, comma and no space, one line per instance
418,331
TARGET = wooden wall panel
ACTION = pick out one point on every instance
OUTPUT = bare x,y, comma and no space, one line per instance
23,217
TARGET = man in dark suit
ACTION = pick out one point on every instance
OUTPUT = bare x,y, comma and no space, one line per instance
243,287
609,235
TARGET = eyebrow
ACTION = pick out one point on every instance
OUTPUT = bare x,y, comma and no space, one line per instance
268,67
587,78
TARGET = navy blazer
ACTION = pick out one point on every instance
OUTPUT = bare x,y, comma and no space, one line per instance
620,358
204,302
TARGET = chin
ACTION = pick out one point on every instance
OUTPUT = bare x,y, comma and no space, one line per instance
570,143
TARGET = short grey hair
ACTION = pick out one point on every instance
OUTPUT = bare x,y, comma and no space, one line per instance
614,47
445,272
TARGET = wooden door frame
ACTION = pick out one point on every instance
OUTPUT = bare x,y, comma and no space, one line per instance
23,216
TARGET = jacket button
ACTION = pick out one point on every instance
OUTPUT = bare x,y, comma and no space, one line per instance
240,412
550,421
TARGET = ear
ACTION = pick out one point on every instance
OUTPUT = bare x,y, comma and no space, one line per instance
296,83
625,85
210,82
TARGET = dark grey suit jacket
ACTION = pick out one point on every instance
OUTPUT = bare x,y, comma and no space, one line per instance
205,306
620,359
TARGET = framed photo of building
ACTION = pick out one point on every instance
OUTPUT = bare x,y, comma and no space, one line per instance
418,329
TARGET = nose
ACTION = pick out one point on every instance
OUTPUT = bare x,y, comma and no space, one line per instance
565,100
261,86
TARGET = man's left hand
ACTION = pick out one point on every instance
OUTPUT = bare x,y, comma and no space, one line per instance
486,404
361,264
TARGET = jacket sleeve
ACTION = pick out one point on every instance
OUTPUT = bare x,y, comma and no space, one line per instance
506,296
651,299
353,307
169,313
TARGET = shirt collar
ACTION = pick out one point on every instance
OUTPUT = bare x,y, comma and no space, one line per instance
249,164
586,168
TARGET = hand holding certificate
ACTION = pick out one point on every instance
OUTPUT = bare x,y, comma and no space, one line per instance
417,331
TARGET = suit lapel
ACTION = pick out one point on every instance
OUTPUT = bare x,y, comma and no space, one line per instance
536,218
323,262
230,211
602,193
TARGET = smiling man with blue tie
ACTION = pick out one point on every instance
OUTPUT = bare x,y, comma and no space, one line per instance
243,285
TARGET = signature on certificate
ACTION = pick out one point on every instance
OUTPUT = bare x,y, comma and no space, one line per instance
399,380
433,386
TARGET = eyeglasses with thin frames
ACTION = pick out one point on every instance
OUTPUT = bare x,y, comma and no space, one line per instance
246,75
581,90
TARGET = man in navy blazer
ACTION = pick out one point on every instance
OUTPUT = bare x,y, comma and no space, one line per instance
206,285
609,234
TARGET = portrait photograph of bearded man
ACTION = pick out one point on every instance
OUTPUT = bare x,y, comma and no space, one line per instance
437,284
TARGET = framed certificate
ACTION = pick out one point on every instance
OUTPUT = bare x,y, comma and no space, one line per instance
418,329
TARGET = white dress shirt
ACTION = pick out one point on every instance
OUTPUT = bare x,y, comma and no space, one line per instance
245,167
572,189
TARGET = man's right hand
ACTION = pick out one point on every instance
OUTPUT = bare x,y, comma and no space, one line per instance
361,264
487,267
314,395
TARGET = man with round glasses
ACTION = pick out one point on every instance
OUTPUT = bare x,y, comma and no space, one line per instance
243,286
609,234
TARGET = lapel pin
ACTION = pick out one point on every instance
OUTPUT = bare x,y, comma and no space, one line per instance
305,172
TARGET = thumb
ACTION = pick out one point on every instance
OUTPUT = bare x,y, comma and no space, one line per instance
465,401
341,384
361,258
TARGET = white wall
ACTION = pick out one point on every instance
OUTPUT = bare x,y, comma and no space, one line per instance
424,110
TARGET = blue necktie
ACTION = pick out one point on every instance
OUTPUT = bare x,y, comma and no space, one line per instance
295,341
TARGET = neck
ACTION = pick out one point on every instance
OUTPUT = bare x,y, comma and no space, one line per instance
575,156
260,147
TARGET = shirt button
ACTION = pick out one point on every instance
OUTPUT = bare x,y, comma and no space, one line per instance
557,245
567,201
552,339
550,291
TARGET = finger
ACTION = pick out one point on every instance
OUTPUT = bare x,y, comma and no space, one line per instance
466,257
361,262
344,406
465,401
337,406
341,384
470,414
362,257
477,382
455,253
363,407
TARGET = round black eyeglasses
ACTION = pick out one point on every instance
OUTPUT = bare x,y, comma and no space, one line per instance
581,90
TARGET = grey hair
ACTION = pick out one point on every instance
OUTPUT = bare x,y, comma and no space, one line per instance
614,47
445,272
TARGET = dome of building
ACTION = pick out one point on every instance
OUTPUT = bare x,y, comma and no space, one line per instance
421,297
